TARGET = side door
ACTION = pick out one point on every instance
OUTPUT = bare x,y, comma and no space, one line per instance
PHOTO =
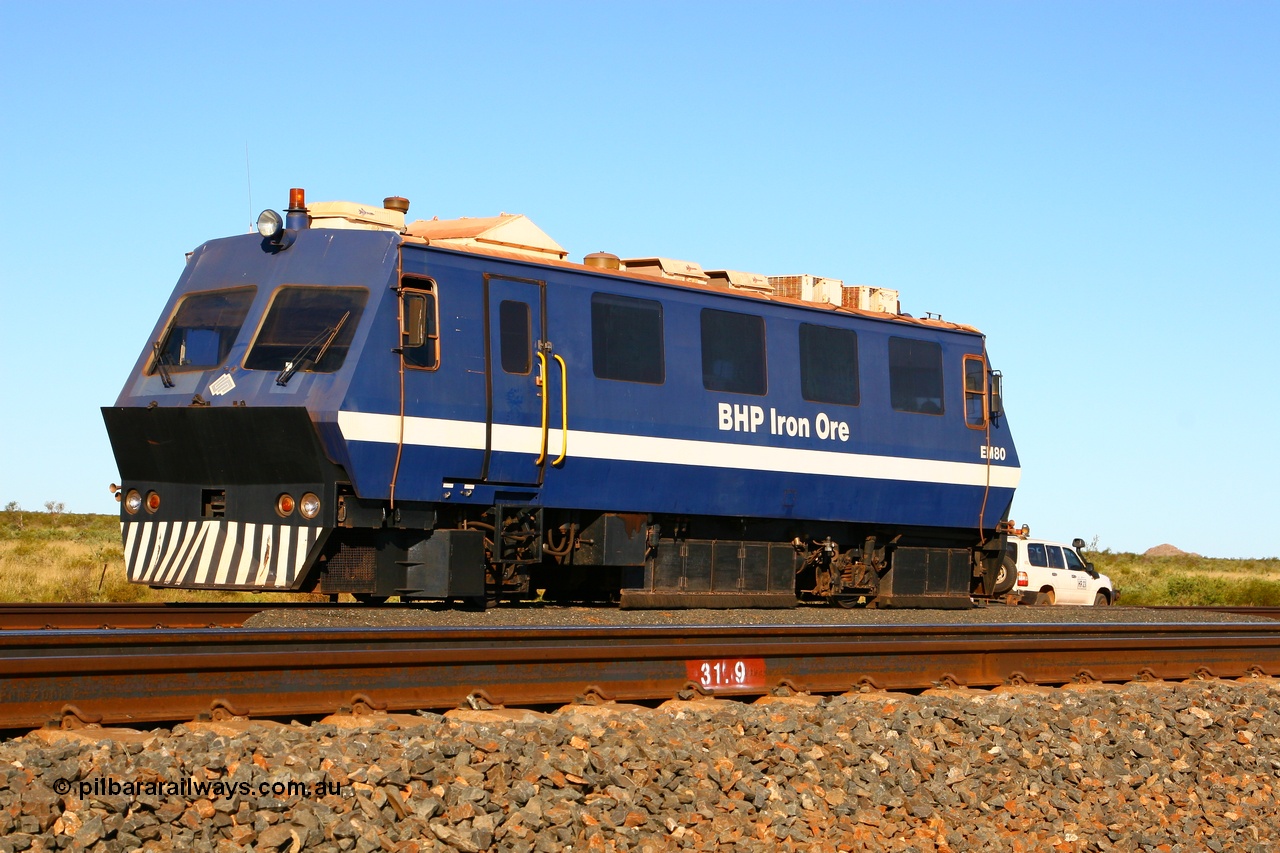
515,392
1063,580
1037,567
1081,580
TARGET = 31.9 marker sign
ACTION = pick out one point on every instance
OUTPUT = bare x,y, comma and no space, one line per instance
726,673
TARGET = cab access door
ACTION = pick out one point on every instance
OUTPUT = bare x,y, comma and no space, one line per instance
518,414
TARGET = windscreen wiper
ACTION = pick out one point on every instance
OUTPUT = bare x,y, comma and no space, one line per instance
161,367
322,340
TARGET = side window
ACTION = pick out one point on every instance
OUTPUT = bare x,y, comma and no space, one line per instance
516,343
975,391
1036,555
1055,558
626,339
915,376
733,357
1073,562
203,329
828,364
1011,551
308,326
419,297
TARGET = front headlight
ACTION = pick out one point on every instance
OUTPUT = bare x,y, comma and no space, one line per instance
270,224
309,506
133,502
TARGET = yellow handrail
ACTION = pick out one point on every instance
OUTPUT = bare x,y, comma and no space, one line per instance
542,452
564,411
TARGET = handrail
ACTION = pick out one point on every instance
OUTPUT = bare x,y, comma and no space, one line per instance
564,411
542,452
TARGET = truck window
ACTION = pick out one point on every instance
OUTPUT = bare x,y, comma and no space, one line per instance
308,326
515,335
1073,562
733,356
1055,558
828,364
626,339
1036,555
915,376
203,329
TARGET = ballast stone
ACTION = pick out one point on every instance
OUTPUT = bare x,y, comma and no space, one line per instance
1172,767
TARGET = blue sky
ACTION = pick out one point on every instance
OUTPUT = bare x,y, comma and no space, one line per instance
1094,185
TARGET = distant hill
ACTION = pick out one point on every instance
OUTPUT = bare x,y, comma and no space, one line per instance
1167,550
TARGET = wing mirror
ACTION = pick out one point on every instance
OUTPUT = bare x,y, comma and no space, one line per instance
996,402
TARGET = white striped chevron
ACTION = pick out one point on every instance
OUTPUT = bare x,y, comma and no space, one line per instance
216,553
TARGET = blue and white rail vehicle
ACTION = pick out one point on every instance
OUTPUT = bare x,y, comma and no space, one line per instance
451,410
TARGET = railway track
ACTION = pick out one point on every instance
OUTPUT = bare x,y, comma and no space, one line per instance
127,676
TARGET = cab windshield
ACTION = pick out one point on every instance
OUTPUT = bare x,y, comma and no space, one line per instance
307,329
202,330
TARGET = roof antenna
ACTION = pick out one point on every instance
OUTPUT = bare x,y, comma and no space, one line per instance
249,181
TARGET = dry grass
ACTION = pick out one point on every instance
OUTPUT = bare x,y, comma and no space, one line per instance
1190,580
48,557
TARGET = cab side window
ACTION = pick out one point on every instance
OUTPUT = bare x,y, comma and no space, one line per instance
1073,562
1055,558
975,391
419,296
1036,555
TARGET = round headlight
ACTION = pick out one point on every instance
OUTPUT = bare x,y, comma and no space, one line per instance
133,502
270,224
153,501
309,506
284,505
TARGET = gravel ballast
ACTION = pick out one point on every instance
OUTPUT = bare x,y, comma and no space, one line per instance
534,616
1150,766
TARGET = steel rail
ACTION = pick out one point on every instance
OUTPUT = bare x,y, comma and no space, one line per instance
128,677
1263,612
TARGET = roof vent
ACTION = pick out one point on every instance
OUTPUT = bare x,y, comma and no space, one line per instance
346,214
866,298
507,232
666,268
603,261
738,280
396,202
810,288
